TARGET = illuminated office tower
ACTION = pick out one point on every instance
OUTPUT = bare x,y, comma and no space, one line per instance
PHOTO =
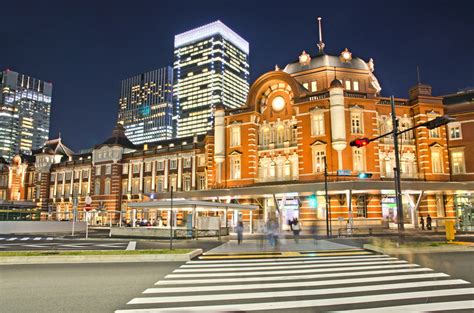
25,106
210,67
146,106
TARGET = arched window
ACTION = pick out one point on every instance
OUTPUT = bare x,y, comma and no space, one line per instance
107,186
280,134
272,169
266,136
287,169
97,187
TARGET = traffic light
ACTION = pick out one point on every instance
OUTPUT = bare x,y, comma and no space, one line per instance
313,201
438,121
364,175
360,142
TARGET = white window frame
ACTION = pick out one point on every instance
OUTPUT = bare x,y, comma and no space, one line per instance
434,133
435,165
173,164
306,86
147,166
358,159
452,126
124,169
235,167
161,165
318,154
347,84
462,166
314,86
357,115
202,160
107,186
108,169
317,123
235,136
187,162
97,186
355,85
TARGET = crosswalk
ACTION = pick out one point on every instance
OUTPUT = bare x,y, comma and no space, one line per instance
319,282
33,238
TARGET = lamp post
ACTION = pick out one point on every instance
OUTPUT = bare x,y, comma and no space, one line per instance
328,219
171,220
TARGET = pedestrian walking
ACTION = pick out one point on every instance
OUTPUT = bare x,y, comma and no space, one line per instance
240,232
428,222
314,232
422,223
296,229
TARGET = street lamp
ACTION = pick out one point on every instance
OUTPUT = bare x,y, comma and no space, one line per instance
326,196
170,219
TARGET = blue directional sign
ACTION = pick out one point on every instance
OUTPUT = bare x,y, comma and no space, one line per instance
343,172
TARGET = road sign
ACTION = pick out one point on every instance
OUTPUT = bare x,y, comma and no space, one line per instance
343,172
87,207
88,200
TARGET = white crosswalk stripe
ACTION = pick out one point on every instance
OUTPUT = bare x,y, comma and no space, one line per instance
25,238
371,283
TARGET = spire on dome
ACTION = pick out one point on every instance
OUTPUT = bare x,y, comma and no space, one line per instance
321,43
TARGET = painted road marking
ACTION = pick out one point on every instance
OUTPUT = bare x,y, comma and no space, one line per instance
290,271
292,277
11,239
283,255
280,252
295,293
25,238
49,238
259,265
275,305
131,245
289,259
294,284
423,307
293,266
37,238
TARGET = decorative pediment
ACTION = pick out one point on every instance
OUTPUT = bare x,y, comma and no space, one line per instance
436,145
235,152
318,143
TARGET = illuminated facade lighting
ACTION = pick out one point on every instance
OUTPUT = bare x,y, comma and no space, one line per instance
146,106
25,106
210,68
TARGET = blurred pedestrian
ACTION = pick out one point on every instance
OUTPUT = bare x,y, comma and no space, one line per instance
314,232
428,222
296,230
240,232
422,223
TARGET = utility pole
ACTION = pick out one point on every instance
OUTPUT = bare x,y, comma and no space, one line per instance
170,220
328,220
396,169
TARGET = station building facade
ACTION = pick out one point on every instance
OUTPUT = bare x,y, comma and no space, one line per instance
273,152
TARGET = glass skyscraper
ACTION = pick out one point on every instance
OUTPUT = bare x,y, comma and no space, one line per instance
146,106
25,107
210,67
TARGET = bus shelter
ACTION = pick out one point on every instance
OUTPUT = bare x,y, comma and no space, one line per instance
188,214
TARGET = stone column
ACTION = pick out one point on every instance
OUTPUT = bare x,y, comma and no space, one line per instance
55,184
180,173
89,182
141,178
130,174
79,193
165,179
153,176
64,184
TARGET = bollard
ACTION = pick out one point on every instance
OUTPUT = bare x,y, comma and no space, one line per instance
449,226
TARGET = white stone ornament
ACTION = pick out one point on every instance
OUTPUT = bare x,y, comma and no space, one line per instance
278,103
304,58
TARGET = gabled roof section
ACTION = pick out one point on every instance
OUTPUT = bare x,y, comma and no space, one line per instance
118,138
55,146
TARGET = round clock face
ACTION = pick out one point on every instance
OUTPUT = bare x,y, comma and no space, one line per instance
278,103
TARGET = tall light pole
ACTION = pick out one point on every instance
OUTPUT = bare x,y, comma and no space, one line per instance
396,169
328,220
171,220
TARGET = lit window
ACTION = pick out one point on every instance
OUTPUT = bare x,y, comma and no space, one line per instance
108,169
454,131
266,136
202,160
356,123
436,161
173,164
457,162
348,85
187,183
107,186
97,171
97,187
355,85
358,159
306,86
148,167
235,136
136,168
125,169
161,165
202,181
147,185
317,123
280,134
235,168
314,86
434,133
187,163
319,153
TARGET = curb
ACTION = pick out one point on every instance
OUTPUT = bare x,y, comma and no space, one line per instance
130,258
416,250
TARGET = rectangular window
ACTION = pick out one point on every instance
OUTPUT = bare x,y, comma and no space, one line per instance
98,170
434,133
314,86
306,86
67,190
358,159
348,85
187,162
355,85
318,160
136,168
60,177
160,165
202,160
436,162
454,131
173,182
187,183
202,182
356,123
135,186
77,173
159,184
85,174
457,162
124,186
84,189
51,192
173,164
52,177
148,167
108,169
97,187
361,204
235,168
317,125
125,169
68,175
147,187
235,136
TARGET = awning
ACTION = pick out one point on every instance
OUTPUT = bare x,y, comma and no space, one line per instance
190,204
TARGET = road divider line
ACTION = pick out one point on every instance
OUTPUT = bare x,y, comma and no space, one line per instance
294,284
131,245
407,269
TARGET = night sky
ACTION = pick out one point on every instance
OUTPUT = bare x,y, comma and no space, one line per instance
85,48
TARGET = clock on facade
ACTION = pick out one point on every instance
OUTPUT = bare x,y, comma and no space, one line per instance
278,103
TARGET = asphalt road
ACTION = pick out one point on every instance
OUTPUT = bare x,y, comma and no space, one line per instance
76,287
